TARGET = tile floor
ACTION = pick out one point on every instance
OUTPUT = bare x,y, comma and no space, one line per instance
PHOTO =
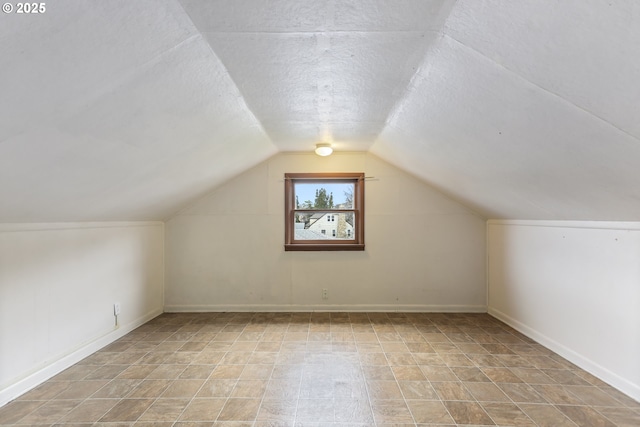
323,369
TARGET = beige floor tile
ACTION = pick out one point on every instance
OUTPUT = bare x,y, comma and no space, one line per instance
117,388
127,410
181,358
373,359
278,410
445,347
389,337
165,410
75,373
428,359
50,412
177,424
470,374
315,410
106,372
521,393
89,410
468,413
239,410
217,388
408,373
377,373
623,417
81,389
282,389
391,412
350,389
418,390
484,360
323,370
196,372
227,336
546,415
317,388
592,396
183,389
353,411
486,392
149,388
209,356
507,414
438,373
391,347
384,390
585,416
471,348
400,359
497,349
227,372
236,358
46,391
557,394
501,375
263,357
170,372
620,397
456,360
452,391
427,411
420,347
435,337
287,372
564,377
250,389
532,376
136,372
257,372
205,409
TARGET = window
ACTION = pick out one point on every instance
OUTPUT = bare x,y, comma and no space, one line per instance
312,200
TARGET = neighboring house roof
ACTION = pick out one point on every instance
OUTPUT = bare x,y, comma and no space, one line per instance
303,234
314,218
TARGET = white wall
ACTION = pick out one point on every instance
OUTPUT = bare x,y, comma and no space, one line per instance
424,251
574,287
58,284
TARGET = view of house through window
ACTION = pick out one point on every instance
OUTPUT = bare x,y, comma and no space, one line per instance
312,222
324,209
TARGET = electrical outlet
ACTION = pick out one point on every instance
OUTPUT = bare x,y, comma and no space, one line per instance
116,308
325,294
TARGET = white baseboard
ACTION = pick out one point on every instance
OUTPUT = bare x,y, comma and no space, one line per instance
63,362
415,308
622,384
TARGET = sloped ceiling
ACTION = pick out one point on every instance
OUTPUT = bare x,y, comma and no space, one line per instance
128,110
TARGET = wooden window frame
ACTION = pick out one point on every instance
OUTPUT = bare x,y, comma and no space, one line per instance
356,244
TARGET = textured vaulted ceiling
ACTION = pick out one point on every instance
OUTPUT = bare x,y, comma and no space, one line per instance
125,110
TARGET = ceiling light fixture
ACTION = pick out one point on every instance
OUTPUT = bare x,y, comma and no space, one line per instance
323,149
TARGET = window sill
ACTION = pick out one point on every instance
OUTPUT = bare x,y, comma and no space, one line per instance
322,247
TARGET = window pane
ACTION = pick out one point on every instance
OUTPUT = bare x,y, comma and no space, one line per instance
324,211
324,226
324,195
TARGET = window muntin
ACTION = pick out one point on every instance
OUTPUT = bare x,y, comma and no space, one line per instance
324,211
